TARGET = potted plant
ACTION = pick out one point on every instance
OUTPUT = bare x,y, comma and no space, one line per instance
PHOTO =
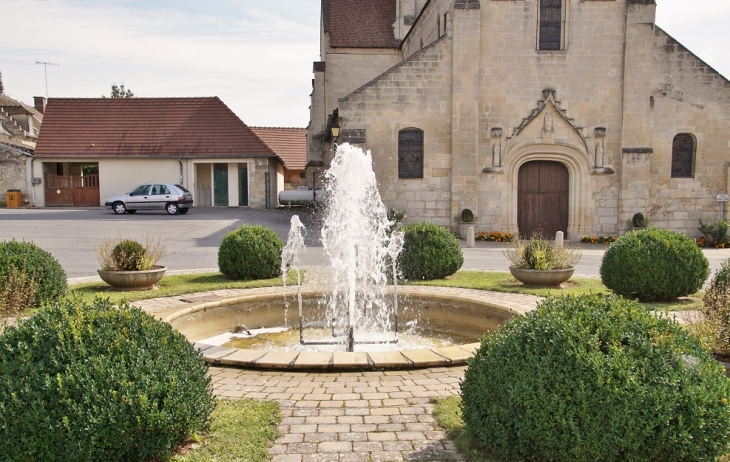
537,262
130,265
638,222
465,220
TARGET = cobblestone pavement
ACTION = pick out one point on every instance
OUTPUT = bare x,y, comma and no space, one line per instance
348,416
351,416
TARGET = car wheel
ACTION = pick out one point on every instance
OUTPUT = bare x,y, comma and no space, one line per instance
119,208
172,208
131,211
183,211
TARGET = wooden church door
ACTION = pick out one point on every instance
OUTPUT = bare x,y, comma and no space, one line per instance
542,198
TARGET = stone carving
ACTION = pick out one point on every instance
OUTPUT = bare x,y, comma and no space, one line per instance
497,154
548,122
599,153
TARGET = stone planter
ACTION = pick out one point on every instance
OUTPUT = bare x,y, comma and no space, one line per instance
535,277
133,280
464,227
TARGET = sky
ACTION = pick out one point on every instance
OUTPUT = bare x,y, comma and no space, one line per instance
256,55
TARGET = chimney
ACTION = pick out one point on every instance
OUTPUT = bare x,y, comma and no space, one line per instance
40,104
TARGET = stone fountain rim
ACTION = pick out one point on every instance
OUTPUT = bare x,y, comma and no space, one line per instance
456,355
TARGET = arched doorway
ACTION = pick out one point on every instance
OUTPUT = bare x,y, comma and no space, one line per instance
542,198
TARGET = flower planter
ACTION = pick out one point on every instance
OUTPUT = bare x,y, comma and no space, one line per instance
535,277
464,228
133,280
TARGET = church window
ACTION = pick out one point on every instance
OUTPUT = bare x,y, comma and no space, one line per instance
550,35
683,156
410,153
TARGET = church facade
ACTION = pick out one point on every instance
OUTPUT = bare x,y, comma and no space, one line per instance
538,115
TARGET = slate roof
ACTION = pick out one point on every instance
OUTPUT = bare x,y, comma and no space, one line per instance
288,143
360,23
145,127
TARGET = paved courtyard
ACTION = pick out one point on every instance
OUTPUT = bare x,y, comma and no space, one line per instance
327,416
348,416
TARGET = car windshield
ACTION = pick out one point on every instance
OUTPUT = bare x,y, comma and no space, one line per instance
140,190
181,188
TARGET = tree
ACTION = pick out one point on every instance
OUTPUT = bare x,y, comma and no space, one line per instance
118,91
2,87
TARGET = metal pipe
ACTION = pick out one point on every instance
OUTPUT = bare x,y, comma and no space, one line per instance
32,185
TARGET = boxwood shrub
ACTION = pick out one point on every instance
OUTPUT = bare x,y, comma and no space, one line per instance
595,378
129,255
36,265
654,264
92,382
250,252
429,252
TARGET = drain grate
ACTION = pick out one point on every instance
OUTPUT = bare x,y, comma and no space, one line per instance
201,298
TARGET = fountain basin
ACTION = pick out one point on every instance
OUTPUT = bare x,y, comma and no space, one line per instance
464,311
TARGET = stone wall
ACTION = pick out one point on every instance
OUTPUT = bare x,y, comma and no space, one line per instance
13,173
671,91
415,94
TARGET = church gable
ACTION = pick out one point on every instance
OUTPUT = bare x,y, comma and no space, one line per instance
549,124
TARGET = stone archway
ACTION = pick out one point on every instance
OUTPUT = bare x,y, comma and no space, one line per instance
574,160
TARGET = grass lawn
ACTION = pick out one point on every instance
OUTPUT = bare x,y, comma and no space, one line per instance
504,282
241,429
448,415
170,286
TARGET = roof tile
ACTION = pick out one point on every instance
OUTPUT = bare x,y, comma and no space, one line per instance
288,143
361,24
145,127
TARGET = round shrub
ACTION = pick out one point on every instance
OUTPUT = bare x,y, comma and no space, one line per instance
250,252
467,216
639,221
595,378
654,264
38,266
429,252
129,255
91,382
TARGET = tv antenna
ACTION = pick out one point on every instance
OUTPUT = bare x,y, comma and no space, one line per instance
45,71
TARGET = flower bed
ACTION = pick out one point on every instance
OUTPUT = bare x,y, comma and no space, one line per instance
598,239
495,236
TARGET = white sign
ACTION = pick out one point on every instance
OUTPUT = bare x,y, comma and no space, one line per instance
723,197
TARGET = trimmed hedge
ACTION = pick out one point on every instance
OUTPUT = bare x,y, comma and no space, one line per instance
250,252
595,378
654,264
39,266
429,252
91,382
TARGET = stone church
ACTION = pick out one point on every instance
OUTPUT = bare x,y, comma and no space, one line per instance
551,115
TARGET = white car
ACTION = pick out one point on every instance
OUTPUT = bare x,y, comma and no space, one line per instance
173,198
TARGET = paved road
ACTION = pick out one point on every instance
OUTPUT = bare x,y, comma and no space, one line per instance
192,240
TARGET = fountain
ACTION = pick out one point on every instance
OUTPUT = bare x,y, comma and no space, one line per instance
360,244
361,315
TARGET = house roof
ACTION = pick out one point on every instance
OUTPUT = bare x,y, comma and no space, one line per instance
360,24
145,127
288,143
7,103
19,149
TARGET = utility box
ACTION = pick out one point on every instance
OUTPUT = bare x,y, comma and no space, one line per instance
14,198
